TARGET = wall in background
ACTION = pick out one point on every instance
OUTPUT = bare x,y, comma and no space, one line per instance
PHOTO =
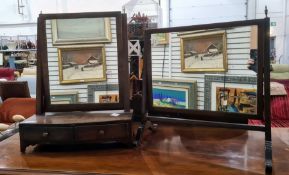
192,12
206,11
278,11
13,23
196,12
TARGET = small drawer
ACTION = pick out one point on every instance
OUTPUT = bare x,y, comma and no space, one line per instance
109,132
60,134
33,133
47,134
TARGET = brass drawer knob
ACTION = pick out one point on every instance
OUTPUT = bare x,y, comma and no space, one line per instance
45,134
101,132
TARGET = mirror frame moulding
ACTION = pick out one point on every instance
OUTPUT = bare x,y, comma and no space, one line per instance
43,90
155,112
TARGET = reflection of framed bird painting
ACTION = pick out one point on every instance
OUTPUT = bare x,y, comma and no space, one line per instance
240,100
231,94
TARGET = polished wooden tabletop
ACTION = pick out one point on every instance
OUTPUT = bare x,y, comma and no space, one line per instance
175,150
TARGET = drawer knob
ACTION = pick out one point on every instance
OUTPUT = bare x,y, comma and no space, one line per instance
45,134
101,132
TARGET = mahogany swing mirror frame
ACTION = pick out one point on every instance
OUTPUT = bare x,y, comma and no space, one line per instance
81,122
43,88
215,118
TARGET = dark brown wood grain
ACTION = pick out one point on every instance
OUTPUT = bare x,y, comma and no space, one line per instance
169,151
39,80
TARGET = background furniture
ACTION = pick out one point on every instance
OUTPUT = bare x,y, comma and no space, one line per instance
16,100
280,103
11,89
29,75
280,72
7,73
13,106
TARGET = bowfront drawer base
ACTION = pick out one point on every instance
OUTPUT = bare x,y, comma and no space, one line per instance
55,132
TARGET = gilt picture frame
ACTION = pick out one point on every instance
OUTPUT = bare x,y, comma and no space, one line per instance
81,31
204,52
81,64
160,38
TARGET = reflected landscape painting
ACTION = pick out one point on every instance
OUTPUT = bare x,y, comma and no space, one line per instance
203,52
81,64
170,96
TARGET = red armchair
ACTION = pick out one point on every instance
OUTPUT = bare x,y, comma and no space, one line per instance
7,73
16,100
14,106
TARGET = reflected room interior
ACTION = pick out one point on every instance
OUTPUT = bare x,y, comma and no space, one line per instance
82,60
205,69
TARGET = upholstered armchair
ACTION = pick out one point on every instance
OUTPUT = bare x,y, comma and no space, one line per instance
16,101
280,72
7,74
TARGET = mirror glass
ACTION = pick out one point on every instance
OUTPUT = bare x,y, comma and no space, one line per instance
82,60
213,69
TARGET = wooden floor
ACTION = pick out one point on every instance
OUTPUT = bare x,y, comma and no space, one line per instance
172,150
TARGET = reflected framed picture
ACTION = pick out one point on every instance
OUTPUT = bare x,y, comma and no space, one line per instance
81,31
231,93
64,97
111,98
204,52
160,38
240,100
81,64
103,93
170,96
191,84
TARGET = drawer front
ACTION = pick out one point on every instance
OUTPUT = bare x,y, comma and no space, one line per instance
33,133
47,134
109,132
60,134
